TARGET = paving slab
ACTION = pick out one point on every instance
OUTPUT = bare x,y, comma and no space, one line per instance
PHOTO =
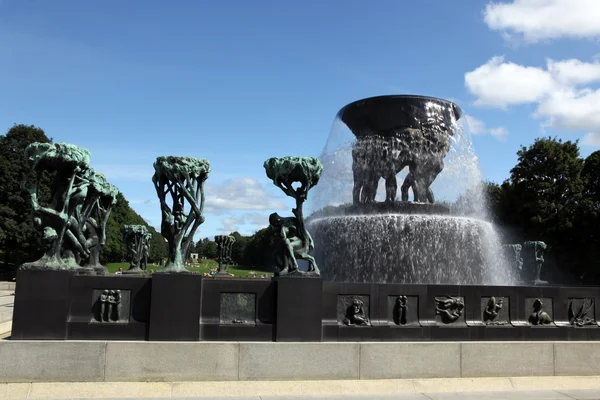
524,395
100,390
582,394
13,391
6,314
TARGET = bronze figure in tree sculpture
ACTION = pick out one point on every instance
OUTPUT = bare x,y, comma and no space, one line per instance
73,222
102,196
137,242
183,178
294,241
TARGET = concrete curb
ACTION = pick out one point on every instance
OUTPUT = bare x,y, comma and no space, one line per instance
63,390
109,361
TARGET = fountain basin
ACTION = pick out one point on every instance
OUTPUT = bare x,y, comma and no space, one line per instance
405,248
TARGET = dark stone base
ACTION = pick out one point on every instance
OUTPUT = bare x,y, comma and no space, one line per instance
299,309
41,305
187,307
175,311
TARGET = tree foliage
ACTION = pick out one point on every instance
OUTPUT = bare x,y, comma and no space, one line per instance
552,196
18,237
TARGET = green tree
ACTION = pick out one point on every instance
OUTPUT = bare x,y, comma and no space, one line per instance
18,237
239,247
542,201
258,250
209,248
546,185
591,176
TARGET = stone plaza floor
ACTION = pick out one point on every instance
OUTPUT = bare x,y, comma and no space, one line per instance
525,395
402,389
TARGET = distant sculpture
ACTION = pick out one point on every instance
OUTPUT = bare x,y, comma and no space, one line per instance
581,312
74,221
394,132
224,248
355,314
449,308
183,178
137,242
293,240
534,259
491,312
539,316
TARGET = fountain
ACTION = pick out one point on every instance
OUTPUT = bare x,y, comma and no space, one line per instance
360,239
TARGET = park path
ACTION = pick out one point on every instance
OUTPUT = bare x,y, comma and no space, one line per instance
7,301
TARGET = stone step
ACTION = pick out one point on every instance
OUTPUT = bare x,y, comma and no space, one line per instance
7,286
4,293
4,300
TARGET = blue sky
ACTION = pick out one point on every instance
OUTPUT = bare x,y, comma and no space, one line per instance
237,82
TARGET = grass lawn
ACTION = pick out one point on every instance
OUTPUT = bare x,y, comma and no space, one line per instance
201,267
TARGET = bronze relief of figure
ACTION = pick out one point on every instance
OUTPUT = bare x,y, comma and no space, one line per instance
449,308
539,316
355,314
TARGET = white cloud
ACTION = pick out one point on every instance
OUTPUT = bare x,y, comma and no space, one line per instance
536,20
246,224
499,84
572,110
591,139
574,72
478,127
240,194
563,102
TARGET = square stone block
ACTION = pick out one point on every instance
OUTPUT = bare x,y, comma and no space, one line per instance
282,361
507,359
51,361
409,360
171,361
577,358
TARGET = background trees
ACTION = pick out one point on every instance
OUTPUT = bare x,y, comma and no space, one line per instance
552,194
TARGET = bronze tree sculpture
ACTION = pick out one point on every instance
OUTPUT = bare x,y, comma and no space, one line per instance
293,240
137,242
74,219
183,178
224,248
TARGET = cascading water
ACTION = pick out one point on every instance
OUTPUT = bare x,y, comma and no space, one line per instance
363,233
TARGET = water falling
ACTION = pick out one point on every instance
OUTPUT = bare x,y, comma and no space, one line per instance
393,242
